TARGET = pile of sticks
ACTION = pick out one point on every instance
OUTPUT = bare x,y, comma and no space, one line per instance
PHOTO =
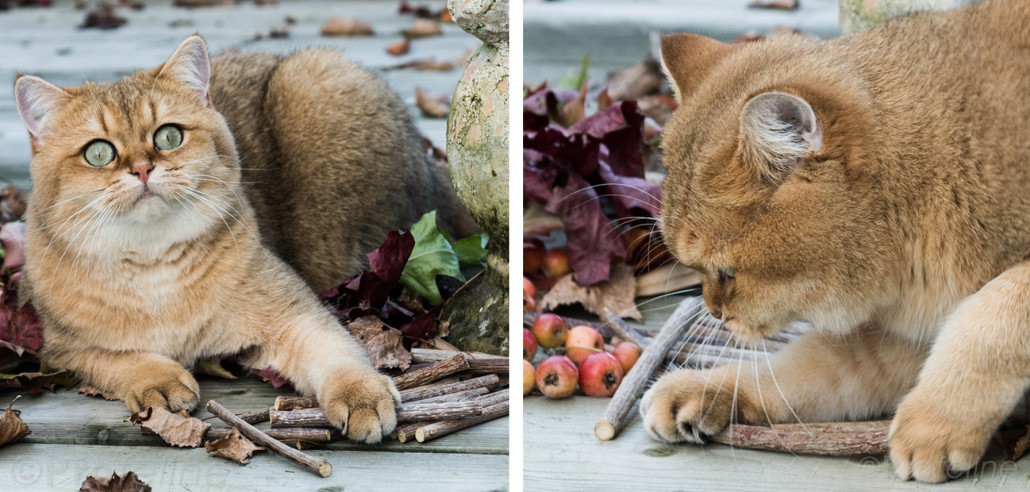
446,392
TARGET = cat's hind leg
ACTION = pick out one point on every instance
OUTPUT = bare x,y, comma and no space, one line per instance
978,369
818,378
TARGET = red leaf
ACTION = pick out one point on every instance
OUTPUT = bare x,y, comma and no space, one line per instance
274,378
21,328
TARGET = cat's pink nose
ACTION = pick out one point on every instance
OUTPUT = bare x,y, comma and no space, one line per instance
142,171
717,313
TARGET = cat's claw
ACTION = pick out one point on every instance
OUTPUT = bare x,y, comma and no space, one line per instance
173,390
681,407
931,448
362,405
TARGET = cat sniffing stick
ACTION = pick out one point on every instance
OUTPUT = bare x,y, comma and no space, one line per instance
145,253
877,186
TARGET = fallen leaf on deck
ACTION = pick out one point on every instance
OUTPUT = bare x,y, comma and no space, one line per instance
432,255
12,236
345,26
234,446
617,293
272,377
399,48
12,428
103,17
213,367
775,4
385,345
424,28
432,105
177,429
636,81
89,390
425,65
12,204
1015,449
115,483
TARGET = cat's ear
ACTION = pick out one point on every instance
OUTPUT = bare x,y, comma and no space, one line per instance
686,59
37,100
778,129
190,66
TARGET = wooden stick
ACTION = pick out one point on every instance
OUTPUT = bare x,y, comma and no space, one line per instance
294,402
461,395
321,467
439,429
479,362
620,328
255,417
493,398
633,383
409,412
290,434
423,392
429,374
823,439
406,432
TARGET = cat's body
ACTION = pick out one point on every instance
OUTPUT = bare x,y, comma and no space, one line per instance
877,185
144,254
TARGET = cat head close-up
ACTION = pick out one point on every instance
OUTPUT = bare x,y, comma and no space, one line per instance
147,154
767,194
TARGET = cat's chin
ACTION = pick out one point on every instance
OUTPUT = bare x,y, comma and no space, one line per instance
750,333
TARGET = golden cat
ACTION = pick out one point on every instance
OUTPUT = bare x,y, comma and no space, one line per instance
143,247
878,186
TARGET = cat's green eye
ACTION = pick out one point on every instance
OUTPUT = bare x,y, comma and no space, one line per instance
168,137
99,153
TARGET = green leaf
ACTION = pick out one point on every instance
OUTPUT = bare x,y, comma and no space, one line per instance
471,250
432,256
575,80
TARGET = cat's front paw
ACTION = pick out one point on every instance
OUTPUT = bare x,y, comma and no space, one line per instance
362,404
688,404
170,387
927,445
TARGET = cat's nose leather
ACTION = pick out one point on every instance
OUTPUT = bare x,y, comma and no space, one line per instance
716,313
142,171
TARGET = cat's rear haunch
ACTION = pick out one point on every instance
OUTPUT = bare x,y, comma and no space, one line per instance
878,186
145,253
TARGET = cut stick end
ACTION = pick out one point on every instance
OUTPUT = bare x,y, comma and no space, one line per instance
420,435
325,469
604,431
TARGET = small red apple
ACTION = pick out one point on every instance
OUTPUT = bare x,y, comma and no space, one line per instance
528,377
532,256
600,374
582,341
556,262
529,345
528,295
556,377
627,353
550,330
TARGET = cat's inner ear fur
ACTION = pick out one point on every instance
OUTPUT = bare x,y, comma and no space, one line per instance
687,58
777,130
190,66
37,100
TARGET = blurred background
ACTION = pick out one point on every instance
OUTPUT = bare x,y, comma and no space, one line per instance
66,42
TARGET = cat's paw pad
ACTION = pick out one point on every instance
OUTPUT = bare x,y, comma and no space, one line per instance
687,405
928,448
174,390
363,406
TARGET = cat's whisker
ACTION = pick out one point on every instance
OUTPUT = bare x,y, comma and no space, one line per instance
56,204
207,202
239,218
94,214
65,223
772,375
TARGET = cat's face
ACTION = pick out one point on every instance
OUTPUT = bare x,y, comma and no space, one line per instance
146,153
756,202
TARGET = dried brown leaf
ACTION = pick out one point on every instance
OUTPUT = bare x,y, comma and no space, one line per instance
636,81
177,429
426,65
345,26
432,105
399,48
1015,449
90,390
235,446
424,28
12,428
12,204
384,344
115,483
617,293
213,367
775,4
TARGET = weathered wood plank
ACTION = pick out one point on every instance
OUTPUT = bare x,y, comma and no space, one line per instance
66,417
55,467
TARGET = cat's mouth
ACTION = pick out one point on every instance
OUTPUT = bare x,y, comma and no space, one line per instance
746,332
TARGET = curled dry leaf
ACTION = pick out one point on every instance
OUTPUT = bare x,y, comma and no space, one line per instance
345,26
12,204
90,390
432,105
636,81
399,48
115,483
424,28
775,4
12,236
235,446
12,428
384,344
177,429
103,17
616,293
213,367
426,65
